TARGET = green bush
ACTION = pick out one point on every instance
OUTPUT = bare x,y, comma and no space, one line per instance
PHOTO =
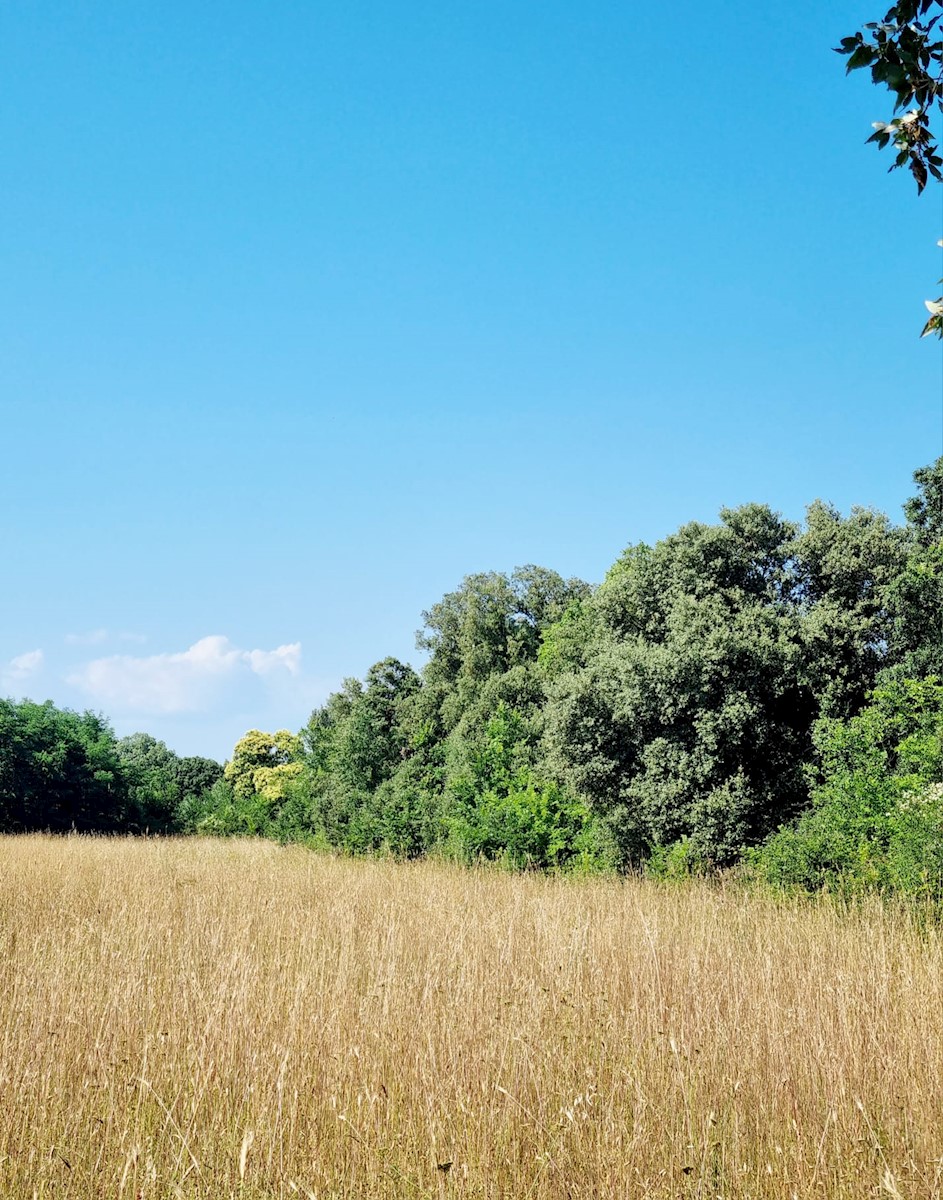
529,823
681,860
876,823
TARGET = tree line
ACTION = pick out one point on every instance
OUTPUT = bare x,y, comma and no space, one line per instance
62,771
753,693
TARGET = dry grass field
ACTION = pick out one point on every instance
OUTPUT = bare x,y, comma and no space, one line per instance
213,1019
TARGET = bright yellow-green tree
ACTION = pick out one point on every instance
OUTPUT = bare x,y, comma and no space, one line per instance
264,764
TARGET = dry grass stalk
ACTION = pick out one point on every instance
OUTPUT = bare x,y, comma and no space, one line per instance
213,1019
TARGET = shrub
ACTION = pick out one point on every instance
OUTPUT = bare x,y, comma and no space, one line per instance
876,823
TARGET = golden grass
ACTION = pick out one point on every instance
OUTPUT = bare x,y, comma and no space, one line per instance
212,1019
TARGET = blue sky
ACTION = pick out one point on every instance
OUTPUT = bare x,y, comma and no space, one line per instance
310,309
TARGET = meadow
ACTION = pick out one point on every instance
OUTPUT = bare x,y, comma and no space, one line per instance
200,1018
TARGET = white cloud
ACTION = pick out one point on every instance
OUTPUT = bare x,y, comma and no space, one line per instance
188,681
263,662
21,667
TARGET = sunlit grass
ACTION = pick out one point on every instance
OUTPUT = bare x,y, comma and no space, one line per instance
206,1019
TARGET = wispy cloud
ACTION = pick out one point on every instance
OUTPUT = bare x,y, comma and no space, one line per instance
94,637
191,680
23,666
97,637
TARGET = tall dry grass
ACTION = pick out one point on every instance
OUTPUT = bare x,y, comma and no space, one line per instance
212,1019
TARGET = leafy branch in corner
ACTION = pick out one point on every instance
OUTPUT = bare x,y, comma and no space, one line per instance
905,53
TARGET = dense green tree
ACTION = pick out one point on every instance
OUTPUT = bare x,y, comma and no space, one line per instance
196,775
674,704
916,597
688,717
502,809
492,622
371,742
563,644
150,770
354,744
845,570
160,782
924,512
216,811
60,770
687,706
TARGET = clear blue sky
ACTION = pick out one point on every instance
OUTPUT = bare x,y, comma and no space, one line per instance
309,309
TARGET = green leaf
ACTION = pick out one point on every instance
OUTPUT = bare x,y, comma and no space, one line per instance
862,57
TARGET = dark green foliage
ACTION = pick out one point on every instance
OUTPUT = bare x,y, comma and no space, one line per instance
151,773
688,705
211,812
371,742
492,623
196,775
563,644
845,570
448,762
160,784
877,817
689,716
354,746
916,595
60,770
924,512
